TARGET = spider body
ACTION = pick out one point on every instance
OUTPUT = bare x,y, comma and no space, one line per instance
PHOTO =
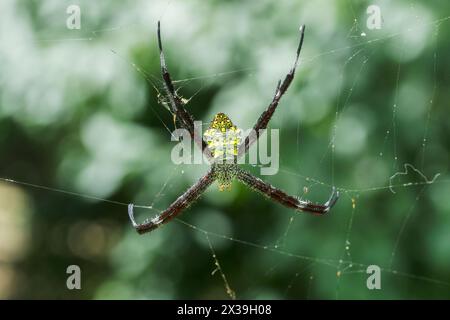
223,139
223,145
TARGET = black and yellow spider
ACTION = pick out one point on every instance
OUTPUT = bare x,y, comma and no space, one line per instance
226,171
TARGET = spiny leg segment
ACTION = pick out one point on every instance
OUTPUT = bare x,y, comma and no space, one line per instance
283,198
184,201
176,104
281,89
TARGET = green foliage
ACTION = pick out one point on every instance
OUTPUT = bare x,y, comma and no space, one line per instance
79,111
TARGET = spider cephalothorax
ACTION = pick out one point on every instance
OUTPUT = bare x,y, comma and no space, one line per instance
222,146
224,173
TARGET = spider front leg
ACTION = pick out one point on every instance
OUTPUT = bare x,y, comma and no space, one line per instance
184,201
281,89
285,199
176,104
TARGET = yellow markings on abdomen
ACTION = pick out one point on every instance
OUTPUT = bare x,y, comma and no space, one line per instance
223,137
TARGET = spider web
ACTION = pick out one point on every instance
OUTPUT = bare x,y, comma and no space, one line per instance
307,272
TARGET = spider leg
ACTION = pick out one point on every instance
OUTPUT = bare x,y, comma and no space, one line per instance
281,89
285,199
176,105
183,201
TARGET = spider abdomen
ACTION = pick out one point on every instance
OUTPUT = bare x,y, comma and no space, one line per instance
223,138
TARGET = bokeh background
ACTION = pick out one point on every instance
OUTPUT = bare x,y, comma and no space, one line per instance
79,112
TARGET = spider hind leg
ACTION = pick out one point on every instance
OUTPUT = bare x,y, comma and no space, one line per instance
176,208
285,199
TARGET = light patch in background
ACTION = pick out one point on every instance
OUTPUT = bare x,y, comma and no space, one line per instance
412,40
127,97
413,100
91,240
320,16
216,222
136,280
439,194
115,289
154,288
312,105
113,146
274,62
351,135
108,138
263,293
438,246
14,234
240,106
44,101
41,76
369,172
325,77
100,177
140,249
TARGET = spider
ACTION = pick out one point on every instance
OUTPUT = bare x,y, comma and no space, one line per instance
225,173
